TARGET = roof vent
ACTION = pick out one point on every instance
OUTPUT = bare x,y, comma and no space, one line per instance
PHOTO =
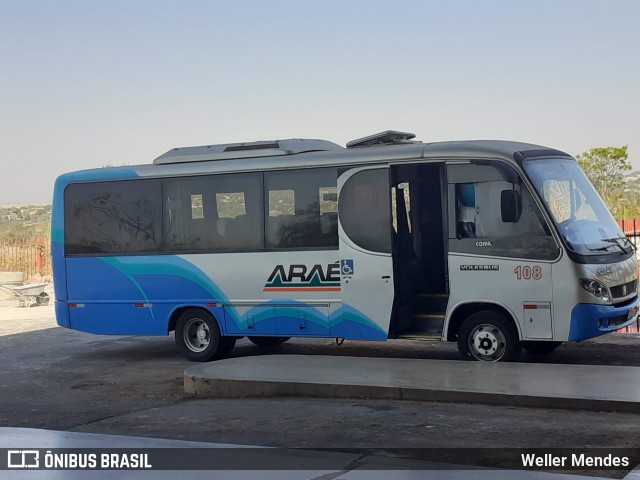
390,137
252,146
229,151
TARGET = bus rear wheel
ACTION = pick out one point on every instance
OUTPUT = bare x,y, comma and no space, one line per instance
268,341
488,336
198,337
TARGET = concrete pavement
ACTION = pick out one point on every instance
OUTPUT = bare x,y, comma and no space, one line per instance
584,387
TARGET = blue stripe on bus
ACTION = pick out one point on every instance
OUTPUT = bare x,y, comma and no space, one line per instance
173,282
59,271
348,322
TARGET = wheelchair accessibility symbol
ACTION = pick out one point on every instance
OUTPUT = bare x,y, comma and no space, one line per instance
347,267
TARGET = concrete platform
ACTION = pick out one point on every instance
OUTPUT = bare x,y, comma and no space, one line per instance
595,388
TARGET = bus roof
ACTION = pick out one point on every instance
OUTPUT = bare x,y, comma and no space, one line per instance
302,153
274,148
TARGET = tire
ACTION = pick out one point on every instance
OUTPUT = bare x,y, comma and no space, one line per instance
42,299
268,341
198,336
490,337
540,348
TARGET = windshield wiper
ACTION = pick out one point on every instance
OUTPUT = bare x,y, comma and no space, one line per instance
615,240
604,249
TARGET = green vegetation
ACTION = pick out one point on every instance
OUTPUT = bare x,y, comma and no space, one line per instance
608,170
24,223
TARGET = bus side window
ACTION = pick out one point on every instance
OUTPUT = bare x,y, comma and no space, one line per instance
477,208
365,210
488,219
113,217
301,208
466,210
329,213
214,212
189,225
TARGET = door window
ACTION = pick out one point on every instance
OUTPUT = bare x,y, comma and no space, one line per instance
365,211
480,226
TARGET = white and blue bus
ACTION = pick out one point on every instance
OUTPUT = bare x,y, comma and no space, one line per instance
494,245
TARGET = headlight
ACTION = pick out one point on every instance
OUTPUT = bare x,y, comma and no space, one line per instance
595,288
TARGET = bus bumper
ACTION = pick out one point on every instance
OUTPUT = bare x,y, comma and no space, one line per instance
588,321
62,314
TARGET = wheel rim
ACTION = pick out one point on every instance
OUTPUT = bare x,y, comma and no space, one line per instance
196,335
487,342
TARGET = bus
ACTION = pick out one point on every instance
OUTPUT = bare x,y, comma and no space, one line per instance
495,245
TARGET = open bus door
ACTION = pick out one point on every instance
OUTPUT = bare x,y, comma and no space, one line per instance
365,252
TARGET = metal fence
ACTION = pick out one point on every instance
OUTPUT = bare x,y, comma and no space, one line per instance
29,257
631,228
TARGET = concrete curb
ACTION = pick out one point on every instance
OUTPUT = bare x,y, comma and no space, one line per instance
466,382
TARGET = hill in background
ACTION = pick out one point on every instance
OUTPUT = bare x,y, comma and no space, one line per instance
24,222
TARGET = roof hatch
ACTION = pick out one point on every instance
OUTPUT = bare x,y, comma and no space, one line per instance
389,137
228,151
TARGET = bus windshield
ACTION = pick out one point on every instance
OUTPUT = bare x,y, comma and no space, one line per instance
582,217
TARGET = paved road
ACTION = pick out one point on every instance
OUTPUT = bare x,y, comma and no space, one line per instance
65,380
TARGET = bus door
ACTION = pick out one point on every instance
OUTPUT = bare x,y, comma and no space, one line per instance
366,265
418,206
501,248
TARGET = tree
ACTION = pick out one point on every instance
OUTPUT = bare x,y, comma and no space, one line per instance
606,168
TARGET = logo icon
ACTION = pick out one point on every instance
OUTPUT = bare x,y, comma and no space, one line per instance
302,278
23,459
347,267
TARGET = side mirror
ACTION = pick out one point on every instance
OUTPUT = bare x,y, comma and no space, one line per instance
510,206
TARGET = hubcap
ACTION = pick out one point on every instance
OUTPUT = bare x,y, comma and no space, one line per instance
197,335
487,343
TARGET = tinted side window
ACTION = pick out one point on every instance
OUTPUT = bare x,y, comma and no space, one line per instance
113,217
216,212
365,213
302,208
479,217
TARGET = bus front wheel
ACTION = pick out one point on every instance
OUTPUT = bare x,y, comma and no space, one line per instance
198,337
490,337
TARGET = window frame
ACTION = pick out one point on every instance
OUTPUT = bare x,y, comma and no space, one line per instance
266,192
389,222
163,250
479,245
205,178
66,207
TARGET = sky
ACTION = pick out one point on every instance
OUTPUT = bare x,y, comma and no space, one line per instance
90,82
